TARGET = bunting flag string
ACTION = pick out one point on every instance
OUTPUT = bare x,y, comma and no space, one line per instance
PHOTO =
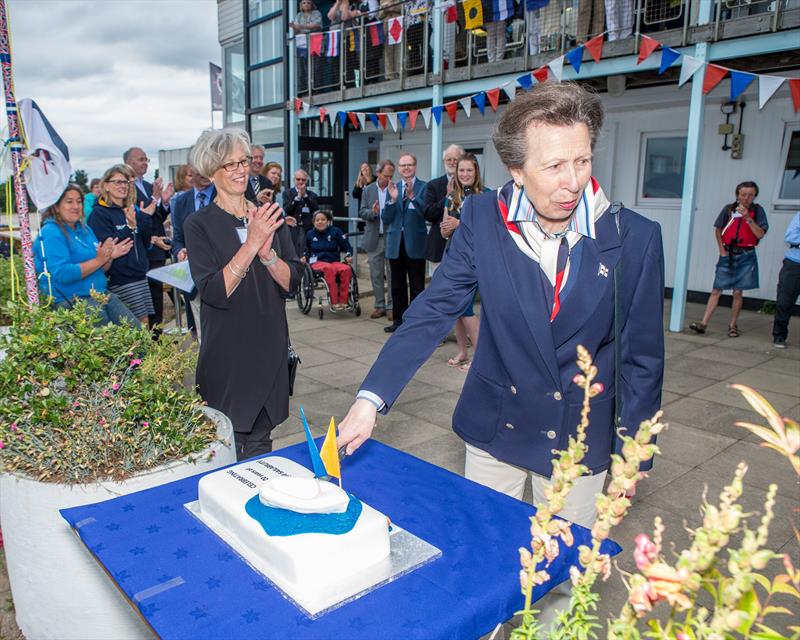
740,81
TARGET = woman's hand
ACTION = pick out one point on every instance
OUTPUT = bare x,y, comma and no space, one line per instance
263,222
357,426
105,251
448,225
158,241
292,222
392,191
121,248
150,209
348,259
130,216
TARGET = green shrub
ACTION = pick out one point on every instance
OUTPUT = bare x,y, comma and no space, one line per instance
6,276
81,402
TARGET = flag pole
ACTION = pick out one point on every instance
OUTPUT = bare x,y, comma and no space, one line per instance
15,142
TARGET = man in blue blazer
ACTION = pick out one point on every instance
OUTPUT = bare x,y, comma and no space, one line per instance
185,204
405,234
545,251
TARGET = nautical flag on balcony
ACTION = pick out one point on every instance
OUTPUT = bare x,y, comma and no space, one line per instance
470,14
332,44
395,28
502,9
451,12
353,41
315,40
376,36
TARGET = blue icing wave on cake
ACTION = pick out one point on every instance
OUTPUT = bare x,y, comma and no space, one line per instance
282,522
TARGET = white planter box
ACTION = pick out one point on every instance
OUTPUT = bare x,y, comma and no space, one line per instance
59,589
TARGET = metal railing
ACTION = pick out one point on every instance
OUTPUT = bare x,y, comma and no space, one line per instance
359,54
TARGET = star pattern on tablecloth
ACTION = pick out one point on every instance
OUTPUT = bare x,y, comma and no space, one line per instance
358,624
250,616
213,583
225,556
128,507
122,576
148,609
180,553
112,526
153,528
193,531
137,551
198,613
178,492
166,509
97,548
260,585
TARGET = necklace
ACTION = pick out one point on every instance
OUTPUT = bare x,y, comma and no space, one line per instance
242,218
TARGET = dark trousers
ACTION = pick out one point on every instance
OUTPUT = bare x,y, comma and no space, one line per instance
407,274
157,294
258,441
788,290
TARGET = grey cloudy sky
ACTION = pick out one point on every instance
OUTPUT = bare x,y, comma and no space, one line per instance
111,74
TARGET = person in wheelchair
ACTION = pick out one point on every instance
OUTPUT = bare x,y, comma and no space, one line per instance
324,244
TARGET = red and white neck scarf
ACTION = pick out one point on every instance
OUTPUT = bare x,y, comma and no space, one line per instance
550,251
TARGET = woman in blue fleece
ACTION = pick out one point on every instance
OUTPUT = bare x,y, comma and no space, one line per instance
324,244
72,263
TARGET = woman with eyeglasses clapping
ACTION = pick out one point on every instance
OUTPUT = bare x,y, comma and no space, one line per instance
243,262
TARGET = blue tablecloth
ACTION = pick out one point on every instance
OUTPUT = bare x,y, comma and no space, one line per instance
187,583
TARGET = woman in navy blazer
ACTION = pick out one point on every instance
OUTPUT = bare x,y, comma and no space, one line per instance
543,250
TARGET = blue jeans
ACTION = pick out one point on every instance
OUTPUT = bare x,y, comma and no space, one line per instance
113,312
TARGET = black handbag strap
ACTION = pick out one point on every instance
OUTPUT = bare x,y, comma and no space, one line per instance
615,209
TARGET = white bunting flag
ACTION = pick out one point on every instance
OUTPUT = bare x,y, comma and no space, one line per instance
332,117
466,104
426,116
557,67
510,89
767,86
362,117
306,107
392,118
689,67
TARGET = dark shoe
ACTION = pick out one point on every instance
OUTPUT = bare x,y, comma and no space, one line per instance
698,327
733,331
391,328
779,343
378,313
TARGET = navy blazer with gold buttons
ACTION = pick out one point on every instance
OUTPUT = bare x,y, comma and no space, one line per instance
519,401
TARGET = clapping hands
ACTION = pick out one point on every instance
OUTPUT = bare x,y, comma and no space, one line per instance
262,223
392,190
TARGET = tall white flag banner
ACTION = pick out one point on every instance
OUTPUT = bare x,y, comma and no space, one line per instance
426,116
362,117
767,86
332,118
392,118
49,169
689,67
466,104
557,67
510,89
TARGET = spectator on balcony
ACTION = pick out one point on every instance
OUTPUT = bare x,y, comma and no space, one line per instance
308,19
619,19
436,194
591,19
391,53
343,18
495,39
544,20
414,37
300,205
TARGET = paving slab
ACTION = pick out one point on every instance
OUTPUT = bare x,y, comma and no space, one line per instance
721,392
689,446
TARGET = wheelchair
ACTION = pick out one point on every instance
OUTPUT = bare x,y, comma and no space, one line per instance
313,288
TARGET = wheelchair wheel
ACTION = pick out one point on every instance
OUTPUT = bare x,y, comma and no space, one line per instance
353,295
305,290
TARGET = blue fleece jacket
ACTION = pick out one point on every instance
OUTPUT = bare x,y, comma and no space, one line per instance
326,245
63,249
109,221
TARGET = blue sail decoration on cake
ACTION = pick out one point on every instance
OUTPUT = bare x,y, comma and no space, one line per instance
316,460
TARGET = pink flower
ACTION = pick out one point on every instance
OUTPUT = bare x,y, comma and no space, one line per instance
106,394
102,421
136,362
115,386
145,424
76,404
13,426
645,552
2,445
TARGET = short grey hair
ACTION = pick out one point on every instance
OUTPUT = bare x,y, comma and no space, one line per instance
385,163
559,104
303,171
128,153
458,148
213,146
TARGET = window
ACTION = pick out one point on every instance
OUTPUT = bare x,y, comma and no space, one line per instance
266,86
662,162
274,154
260,8
234,84
267,128
266,41
788,188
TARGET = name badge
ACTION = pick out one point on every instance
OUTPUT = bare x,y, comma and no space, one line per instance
312,259
242,231
305,210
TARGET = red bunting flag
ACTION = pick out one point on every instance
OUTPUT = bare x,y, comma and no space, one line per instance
451,13
412,118
382,119
451,108
794,89
315,47
595,47
353,118
646,47
298,104
322,113
714,75
540,74
494,97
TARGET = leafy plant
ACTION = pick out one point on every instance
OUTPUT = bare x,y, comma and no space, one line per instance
11,271
741,598
82,402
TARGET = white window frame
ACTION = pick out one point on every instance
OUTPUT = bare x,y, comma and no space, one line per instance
655,203
785,203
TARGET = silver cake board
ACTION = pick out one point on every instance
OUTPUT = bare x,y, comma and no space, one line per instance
407,553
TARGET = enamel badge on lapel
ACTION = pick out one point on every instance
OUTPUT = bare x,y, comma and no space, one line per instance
603,270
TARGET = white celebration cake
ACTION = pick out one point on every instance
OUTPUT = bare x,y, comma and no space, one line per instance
308,532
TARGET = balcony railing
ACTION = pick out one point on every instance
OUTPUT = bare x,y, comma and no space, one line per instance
392,49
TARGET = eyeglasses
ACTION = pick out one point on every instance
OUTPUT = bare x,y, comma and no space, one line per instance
120,183
406,166
230,167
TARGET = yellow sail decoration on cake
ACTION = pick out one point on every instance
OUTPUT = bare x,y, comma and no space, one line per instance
329,453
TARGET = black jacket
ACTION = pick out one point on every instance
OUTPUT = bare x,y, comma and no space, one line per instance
155,255
109,222
435,196
294,208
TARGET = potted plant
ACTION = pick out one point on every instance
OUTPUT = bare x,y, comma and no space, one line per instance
88,413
